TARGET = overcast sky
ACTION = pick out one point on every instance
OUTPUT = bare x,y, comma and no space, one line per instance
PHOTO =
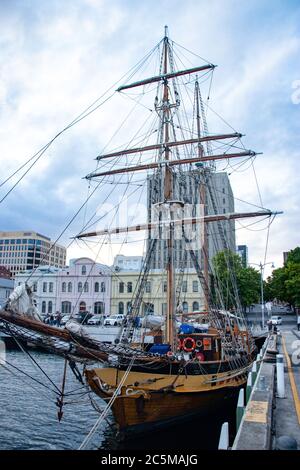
58,56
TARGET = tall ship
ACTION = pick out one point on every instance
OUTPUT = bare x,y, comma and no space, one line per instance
190,362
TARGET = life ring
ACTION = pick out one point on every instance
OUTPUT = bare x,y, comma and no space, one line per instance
191,347
199,343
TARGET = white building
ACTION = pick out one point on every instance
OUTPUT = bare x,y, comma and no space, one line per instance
84,286
6,288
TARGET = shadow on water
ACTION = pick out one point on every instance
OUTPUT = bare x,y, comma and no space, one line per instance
201,433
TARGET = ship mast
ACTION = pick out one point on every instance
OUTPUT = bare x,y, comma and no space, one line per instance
203,202
168,195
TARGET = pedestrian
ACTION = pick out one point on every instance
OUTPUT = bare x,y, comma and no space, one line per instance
298,322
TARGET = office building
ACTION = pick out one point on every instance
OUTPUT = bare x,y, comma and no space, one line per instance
20,251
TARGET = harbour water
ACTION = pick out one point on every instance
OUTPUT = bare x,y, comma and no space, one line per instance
28,416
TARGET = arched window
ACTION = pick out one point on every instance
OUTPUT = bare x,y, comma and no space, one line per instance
86,286
83,270
63,287
96,286
79,286
121,308
50,306
69,286
129,287
102,286
99,308
195,306
82,307
66,307
185,307
43,306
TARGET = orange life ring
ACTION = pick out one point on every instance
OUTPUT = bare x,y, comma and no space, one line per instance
188,348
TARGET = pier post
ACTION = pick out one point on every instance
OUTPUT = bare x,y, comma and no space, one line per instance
249,387
224,437
280,376
240,409
254,372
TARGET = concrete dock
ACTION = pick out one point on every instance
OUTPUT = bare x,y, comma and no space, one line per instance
267,418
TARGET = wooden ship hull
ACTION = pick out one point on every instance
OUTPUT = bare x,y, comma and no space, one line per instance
163,399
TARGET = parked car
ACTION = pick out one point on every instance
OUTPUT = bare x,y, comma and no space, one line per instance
95,320
64,319
275,320
114,320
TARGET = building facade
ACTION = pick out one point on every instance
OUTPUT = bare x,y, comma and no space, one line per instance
6,288
84,286
242,251
124,284
186,188
21,251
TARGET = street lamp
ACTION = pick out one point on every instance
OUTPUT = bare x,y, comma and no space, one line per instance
261,267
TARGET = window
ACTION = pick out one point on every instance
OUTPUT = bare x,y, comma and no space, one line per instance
79,286
148,309
99,308
148,287
86,286
50,286
121,287
44,286
66,307
96,288
195,306
164,286
121,308
63,287
102,286
195,286
82,307
185,307
164,309
43,306
69,286
50,306
184,286
129,287
35,287
83,270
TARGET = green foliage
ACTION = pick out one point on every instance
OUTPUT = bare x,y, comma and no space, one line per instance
284,284
232,279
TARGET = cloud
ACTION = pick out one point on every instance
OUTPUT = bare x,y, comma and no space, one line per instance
58,57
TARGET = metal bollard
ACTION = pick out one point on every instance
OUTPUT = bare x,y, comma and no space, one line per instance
249,387
280,376
224,437
254,372
240,409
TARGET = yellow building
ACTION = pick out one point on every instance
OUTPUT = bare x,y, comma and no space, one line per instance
124,289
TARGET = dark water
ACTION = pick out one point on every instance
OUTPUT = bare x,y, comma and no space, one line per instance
28,416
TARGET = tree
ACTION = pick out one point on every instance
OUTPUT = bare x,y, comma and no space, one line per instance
234,282
284,284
